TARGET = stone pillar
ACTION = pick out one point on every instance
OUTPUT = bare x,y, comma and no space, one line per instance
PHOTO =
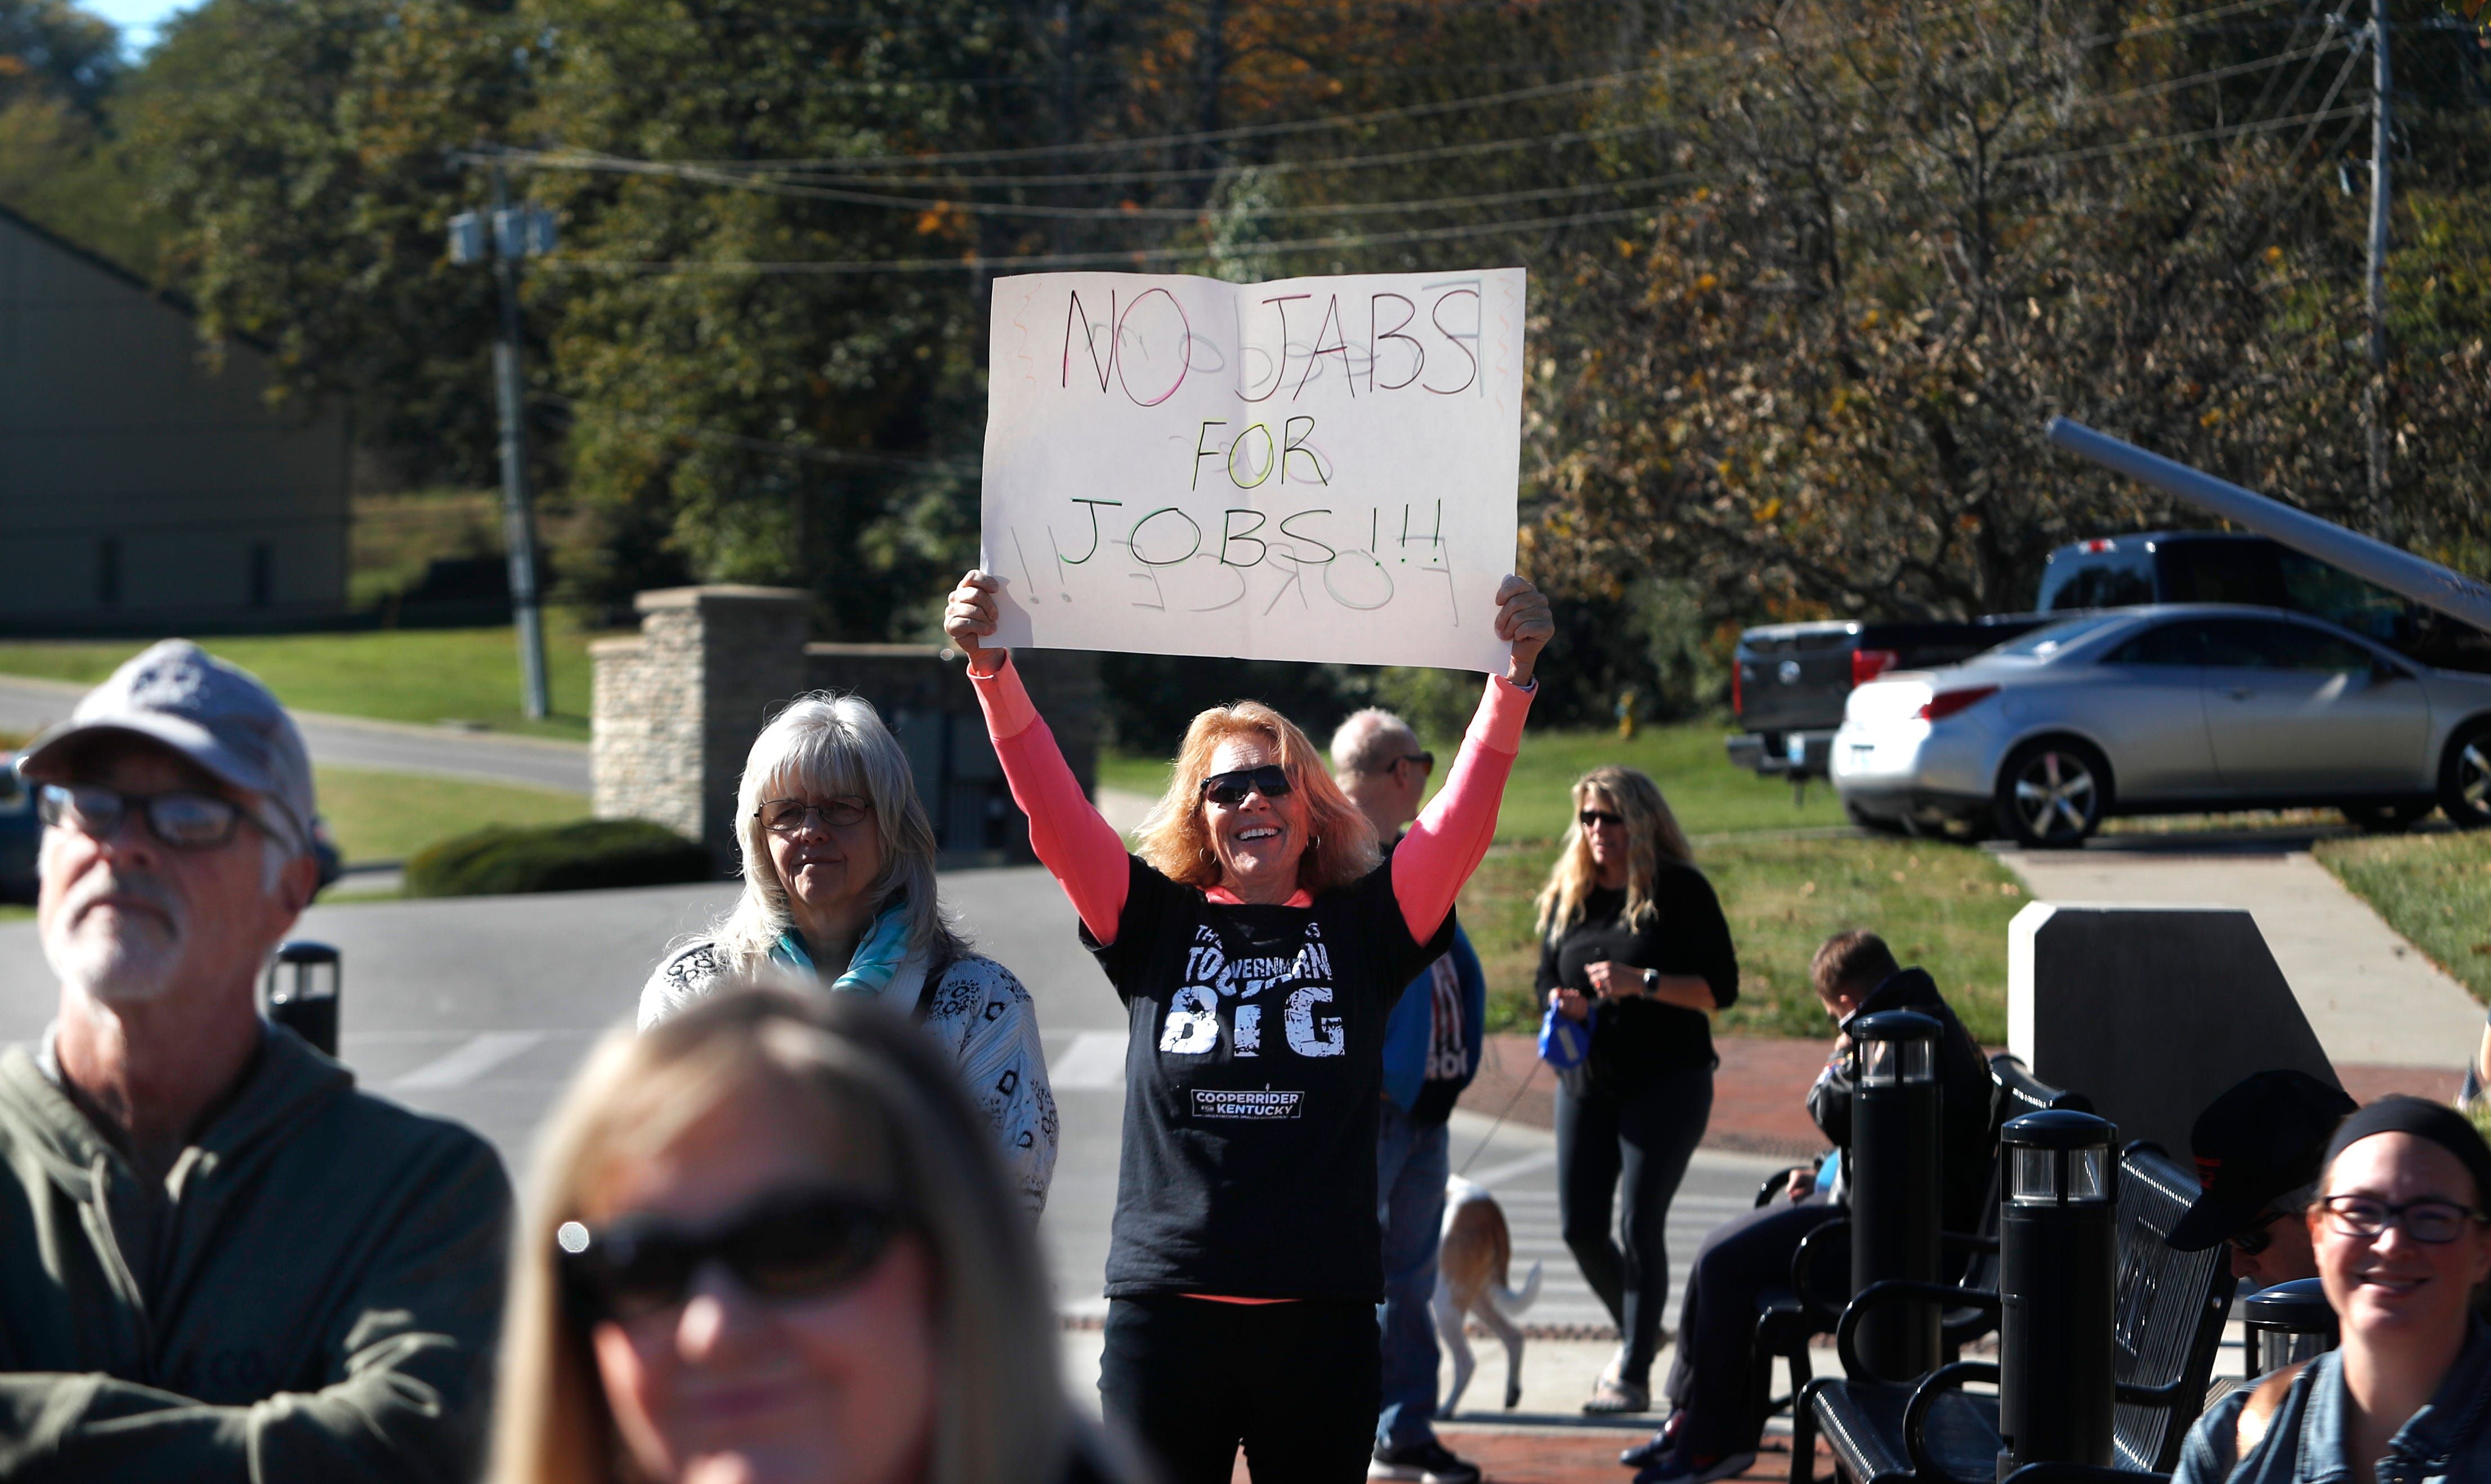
677,707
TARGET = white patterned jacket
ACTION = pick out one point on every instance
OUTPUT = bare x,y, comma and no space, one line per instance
978,1012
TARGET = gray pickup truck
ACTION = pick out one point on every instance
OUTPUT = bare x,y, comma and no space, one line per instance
1789,681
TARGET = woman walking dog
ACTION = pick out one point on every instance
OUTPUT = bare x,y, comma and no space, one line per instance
1258,943
1626,920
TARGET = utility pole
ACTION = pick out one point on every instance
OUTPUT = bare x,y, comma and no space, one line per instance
2374,393
513,234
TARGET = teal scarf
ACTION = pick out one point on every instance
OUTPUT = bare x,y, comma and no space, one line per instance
878,954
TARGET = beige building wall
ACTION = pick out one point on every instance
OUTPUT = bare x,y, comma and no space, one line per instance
138,486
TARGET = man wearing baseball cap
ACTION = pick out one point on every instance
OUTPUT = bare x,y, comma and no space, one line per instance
2259,1148
218,1260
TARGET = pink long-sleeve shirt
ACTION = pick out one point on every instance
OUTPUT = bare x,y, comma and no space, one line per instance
1086,856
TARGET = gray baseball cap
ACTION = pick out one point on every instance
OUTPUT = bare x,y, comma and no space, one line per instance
217,715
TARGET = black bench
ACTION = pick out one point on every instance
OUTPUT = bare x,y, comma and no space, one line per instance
2168,1311
1789,1318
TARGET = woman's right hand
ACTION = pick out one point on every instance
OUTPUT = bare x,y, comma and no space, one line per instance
1570,1003
971,616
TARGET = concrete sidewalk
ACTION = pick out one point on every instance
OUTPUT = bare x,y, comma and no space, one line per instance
2371,997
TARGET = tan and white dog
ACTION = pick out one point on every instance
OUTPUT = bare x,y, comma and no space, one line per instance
1472,1278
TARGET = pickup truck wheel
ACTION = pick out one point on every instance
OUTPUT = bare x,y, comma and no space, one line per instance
2052,794
2465,777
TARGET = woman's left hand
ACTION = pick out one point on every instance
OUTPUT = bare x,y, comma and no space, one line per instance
1614,979
1523,619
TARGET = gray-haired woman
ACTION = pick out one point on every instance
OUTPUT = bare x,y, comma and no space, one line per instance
839,885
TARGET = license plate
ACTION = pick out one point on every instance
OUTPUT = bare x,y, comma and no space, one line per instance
1862,753
1795,748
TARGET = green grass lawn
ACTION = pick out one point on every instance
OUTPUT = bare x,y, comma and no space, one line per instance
1709,796
1943,907
2433,888
390,816
419,674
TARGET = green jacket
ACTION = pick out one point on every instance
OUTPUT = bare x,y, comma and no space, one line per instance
314,1294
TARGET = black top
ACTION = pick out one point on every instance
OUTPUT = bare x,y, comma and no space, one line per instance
1635,1038
1253,1073
1966,1119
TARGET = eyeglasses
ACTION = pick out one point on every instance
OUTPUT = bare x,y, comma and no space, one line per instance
1594,819
2258,1236
1426,760
795,816
1228,790
182,820
2427,1220
786,1246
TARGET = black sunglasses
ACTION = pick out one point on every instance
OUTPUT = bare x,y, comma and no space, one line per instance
181,819
2259,1236
1594,819
792,1245
1228,790
1426,760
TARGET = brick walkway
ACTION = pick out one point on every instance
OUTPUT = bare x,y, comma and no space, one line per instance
1587,1457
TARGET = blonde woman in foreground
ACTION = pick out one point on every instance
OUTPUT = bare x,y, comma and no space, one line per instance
1632,941
771,1242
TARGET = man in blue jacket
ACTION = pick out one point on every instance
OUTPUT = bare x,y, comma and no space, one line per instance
1431,1050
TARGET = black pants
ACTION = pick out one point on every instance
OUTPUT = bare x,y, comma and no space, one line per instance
1712,1380
1646,1138
1297,1384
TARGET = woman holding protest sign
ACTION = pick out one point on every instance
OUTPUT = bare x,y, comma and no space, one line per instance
1633,943
1258,943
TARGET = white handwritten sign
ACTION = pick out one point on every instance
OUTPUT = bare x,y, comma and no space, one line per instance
1316,469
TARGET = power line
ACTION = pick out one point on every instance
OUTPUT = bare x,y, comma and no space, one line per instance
1152,214
2214,74
2193,137
1129,258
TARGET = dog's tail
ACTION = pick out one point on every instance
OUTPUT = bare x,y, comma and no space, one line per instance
1509,1303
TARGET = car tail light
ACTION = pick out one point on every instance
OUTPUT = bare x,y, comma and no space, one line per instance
1946,703
2099,545
1868,664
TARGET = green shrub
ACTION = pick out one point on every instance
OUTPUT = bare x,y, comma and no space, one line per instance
582,855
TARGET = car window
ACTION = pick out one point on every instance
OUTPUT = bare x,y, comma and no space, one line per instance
2110,579
2044,642
2168,643
2204,572
2332,593
2294,647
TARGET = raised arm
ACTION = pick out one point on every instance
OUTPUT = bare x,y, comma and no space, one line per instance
1453,834
1071,839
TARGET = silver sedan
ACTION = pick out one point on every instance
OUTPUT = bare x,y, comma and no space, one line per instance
2165,709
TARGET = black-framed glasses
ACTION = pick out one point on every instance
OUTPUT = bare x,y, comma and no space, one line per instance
181,819
795,816
1427,761
798,1244
1228,790
2258,1235
2430,1219
1594,819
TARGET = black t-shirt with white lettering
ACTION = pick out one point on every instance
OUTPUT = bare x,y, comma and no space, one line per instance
1252,1076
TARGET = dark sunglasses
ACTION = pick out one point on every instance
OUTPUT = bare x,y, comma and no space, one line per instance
794,1245
1426,760
184,821
2427,1220
2259,1236
1594,819
1228,790
795,816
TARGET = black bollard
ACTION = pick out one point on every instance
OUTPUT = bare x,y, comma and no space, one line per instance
2058,1268
304,981
2286,1322
1895,1186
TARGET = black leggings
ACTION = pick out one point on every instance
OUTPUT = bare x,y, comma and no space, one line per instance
1297,1384
1647,1137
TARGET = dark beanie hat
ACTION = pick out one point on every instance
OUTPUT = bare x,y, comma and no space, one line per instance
2420,1116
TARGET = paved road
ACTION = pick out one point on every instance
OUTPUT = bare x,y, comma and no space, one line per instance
2370,996
352,741
480,1008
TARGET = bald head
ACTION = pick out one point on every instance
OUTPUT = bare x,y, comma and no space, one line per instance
1375,758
